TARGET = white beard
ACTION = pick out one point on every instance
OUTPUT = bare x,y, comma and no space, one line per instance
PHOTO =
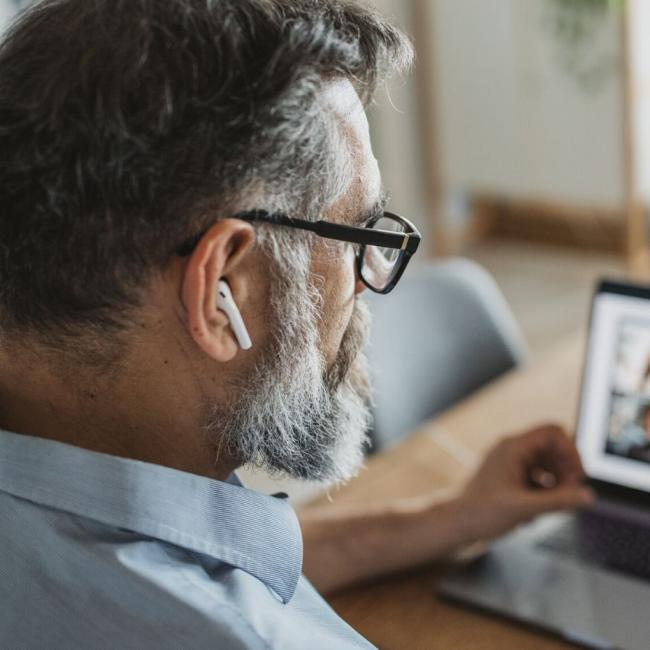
291,417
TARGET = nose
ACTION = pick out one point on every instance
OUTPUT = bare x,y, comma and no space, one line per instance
359,285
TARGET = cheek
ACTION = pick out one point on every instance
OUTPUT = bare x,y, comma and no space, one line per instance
349,273
339,303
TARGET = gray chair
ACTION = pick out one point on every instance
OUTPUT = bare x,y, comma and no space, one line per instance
445,331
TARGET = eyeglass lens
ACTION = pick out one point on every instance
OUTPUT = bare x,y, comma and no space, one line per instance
379,264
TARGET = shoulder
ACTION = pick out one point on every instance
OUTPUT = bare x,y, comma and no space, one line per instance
92,585
89,585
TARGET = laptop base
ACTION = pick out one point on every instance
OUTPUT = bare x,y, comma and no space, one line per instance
582,603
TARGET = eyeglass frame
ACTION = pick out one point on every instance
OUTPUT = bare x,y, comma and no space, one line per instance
407,243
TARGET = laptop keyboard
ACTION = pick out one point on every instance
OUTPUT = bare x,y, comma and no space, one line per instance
611,542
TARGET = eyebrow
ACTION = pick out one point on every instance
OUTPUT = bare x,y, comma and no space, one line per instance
377,208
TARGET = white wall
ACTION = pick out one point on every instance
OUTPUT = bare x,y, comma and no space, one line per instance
511,120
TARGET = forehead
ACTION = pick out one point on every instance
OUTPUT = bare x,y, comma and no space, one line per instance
342,99
365,185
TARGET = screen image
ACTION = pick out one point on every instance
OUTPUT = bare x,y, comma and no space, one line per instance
613,433
628,431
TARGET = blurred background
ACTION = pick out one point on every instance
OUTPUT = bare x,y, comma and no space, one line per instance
521,140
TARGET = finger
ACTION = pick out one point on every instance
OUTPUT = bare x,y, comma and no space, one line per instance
549,448
563,459
543,478
538,502
532,442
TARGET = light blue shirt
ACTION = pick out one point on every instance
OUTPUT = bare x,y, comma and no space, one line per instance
100,552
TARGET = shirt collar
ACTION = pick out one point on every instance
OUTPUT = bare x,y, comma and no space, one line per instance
255,532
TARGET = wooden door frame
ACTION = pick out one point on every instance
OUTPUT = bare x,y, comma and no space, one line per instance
636,251
425,78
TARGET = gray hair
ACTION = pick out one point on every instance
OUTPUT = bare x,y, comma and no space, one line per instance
128,126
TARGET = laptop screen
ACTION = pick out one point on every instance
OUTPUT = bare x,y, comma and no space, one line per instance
613,433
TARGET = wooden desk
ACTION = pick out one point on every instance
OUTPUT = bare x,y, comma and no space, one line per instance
402,611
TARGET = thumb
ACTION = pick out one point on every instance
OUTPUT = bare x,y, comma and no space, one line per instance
568,497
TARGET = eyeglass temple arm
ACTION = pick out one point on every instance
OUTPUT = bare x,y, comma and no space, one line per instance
353,234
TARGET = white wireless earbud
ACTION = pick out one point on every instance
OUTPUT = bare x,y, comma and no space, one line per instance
226,303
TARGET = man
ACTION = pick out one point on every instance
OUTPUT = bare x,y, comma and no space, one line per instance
634,440
158,155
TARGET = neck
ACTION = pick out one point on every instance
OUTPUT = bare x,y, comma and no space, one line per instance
143,414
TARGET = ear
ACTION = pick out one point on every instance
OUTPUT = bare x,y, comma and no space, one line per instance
218,255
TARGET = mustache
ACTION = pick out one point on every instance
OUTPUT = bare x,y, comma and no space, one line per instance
349,364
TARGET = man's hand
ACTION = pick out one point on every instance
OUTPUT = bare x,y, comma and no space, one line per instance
521,477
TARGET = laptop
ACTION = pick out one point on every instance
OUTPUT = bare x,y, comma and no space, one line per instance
586,576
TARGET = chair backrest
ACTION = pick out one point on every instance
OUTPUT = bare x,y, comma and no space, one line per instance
445,331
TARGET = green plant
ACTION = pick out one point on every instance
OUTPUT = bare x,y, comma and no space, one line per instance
577,27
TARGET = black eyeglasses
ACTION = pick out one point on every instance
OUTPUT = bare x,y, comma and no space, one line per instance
386,243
